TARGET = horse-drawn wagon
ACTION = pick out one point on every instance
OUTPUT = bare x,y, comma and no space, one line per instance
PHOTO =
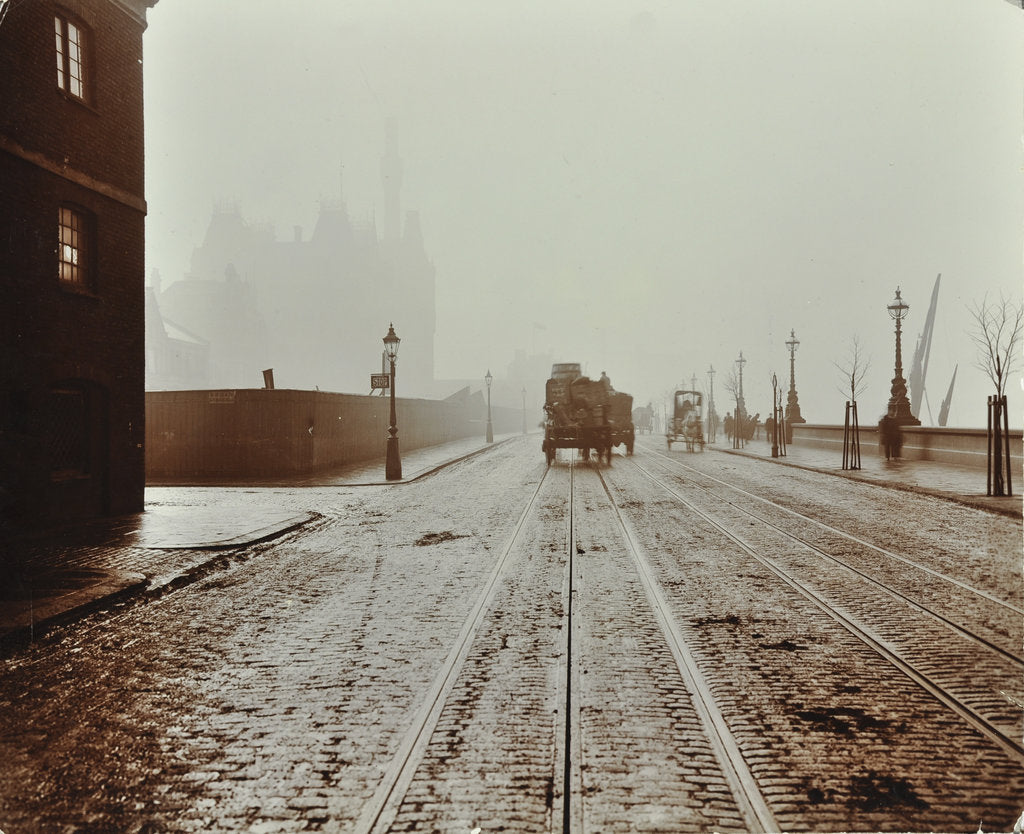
585,414
687,423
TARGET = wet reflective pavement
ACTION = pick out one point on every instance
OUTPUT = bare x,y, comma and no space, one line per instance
63,573
963,484
278,687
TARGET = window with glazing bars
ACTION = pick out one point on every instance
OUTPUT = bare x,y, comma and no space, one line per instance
73,247
70,57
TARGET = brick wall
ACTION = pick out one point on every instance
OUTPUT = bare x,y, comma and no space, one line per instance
57,151
258,433
101,137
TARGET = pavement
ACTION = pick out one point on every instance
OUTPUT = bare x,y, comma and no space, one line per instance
962,484
63,574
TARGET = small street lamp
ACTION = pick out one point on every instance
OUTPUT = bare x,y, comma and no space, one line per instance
712,420
775,416
899,405
740,403
393,463
490,431
524,409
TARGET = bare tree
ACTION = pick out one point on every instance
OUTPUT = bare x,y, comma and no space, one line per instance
997,335
854,369
731,384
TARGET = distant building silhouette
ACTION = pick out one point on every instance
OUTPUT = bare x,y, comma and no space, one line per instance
175,357
314,309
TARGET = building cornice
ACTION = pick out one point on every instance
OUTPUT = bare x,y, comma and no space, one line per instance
72,175
136,8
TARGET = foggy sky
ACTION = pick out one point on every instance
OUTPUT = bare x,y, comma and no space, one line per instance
646,188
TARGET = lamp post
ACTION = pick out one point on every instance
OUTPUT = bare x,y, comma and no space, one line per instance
899,405
775,417
524,409
792,403
490,431
711,404
393,463
740,404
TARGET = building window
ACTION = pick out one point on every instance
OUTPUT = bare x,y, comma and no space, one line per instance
70,57
73,247
68,418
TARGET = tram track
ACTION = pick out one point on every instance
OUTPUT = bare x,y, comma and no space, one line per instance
571,798
866,634
379,813
889,554
937,616
751,803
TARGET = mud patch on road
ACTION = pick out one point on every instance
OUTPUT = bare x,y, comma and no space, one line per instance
436,538
876,792
843,721
729,619
786,645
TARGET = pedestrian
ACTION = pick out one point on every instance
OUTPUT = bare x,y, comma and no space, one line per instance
890,438
769,428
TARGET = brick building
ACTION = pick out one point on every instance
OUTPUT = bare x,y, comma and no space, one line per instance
72,274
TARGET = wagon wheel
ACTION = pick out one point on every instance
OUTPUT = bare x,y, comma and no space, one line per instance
549,453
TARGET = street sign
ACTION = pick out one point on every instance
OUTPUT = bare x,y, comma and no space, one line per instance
382,381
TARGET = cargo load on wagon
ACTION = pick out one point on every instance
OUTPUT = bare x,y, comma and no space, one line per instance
585,414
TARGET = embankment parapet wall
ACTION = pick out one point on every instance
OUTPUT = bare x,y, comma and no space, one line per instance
967,447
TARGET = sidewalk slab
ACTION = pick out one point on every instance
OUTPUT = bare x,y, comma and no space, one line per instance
62,574
962,484
210,528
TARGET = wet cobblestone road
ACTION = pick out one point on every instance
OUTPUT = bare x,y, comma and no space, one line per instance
280,688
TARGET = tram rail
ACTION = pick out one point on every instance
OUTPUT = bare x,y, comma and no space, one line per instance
379,813
1010,745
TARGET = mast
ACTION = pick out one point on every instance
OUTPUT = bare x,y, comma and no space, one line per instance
919,368
944,408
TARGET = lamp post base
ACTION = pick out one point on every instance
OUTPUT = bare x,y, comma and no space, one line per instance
490,432
393,463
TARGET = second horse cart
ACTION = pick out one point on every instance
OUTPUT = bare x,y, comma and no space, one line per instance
687,421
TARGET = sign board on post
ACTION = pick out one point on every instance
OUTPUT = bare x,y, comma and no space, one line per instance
382,381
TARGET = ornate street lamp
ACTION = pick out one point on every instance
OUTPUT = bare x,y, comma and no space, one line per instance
490,431
792,403
899,405
393,463
524,409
